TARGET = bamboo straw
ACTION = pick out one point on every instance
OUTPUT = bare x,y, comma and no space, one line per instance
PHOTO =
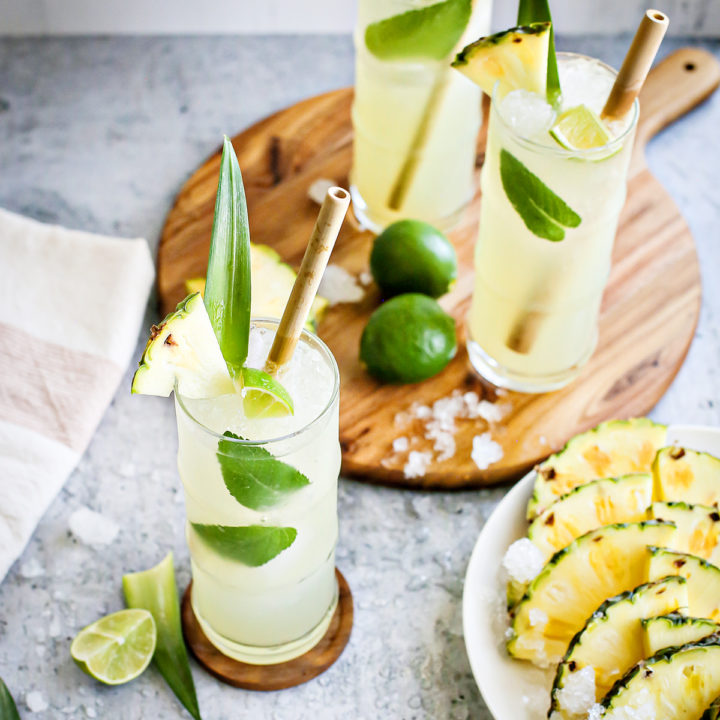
627,86
315,260
635,67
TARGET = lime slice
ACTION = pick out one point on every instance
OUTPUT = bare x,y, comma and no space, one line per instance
264,396
116,648
579,128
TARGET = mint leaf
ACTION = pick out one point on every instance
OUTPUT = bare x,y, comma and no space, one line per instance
227,289
253,476
430,32
252,545
532,11
155,590
8,711
542,211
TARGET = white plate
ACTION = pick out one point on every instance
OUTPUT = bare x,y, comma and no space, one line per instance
515,690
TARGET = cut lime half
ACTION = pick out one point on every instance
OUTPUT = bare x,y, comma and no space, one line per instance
580,128
116,648
264,396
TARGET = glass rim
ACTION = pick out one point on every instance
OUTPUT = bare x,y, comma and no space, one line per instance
325,350
560,151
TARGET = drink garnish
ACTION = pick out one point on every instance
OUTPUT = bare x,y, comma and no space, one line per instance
580,128
533,11
544,213
264,396
155,590
252,545
253,476
430,32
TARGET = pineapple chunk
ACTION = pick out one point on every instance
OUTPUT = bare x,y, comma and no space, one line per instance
599,502
612,640
559,601
514,59
682,474
703,580
698,528
674,630
612,449
674,684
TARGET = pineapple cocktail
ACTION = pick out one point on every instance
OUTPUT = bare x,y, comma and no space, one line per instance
553,185
416,122
261,500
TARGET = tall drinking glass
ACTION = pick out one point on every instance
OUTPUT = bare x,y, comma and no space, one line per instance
261,500
416,123
533,322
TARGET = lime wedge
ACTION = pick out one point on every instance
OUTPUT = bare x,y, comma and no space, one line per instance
264,396
116,648
579,128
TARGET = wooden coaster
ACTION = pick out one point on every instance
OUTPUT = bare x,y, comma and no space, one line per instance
272,677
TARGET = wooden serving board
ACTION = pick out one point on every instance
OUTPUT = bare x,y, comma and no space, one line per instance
649,312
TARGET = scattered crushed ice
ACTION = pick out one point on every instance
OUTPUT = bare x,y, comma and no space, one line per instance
538,618
340,286
485,451
400,444
31,569
417,464
523,560
35,701
55,627
92,528
90,711
365,278
595,712
577,695
318,189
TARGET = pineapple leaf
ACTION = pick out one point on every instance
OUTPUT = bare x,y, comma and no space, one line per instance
532,11
227,290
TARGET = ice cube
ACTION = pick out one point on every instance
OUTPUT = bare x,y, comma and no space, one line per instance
485,451
35,701
523,560
339,286
92,528
527,113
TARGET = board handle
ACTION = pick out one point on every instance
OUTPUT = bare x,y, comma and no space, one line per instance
674,87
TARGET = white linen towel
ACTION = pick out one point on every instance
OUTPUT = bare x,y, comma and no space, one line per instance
71,305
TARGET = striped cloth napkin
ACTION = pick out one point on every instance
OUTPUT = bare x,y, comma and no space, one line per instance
71,305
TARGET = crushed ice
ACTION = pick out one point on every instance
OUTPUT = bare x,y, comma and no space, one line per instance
35,701
339,286
92,528
523,560
318,189
31,569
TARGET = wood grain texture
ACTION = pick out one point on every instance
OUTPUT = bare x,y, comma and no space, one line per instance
649,312
282,675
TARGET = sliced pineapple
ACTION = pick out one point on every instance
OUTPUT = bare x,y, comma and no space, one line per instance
612,640
599,502
703,579
698,528
272,281
514,59
682,474
674,630
612,449
559,601
183,351
674,684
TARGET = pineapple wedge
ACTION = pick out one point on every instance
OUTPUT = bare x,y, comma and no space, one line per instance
703,579
559,601
682,474
674,684
612,640
514,59
674,630
698,528
612,449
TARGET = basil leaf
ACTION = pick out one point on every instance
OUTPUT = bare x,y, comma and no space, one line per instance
430,32
155,590
531,11
227,289
253,476
252,545
8,710
542,211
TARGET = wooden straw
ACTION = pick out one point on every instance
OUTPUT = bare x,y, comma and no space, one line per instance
628,83
315,260
636,65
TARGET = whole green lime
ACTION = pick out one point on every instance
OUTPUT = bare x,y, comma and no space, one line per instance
408,339
412,256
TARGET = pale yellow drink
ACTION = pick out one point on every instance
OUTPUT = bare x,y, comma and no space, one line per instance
533,320
391,103
278,610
